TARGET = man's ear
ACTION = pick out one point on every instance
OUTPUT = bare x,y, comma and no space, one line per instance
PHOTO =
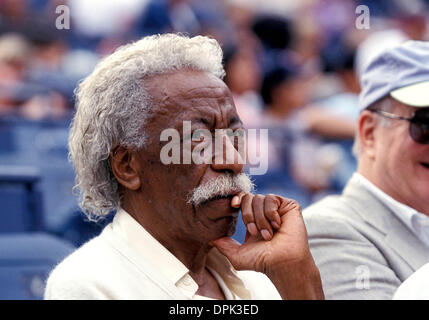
125,167
367,125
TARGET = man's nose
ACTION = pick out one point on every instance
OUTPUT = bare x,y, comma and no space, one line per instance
226,156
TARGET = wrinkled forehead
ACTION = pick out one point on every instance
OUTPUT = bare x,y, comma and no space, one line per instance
189,92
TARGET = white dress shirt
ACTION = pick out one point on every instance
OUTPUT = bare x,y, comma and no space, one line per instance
154,252
416,221
126,262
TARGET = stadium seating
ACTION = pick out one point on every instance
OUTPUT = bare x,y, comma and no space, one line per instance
43,145
25,262
78,229
20,198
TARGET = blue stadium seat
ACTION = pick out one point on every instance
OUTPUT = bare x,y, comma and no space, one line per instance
78,229
6,138
20,199
25,263
240,230
42,144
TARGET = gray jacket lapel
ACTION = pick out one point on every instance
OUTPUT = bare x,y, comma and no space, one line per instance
398,236
407,245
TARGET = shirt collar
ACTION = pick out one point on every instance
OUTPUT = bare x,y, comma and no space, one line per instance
149,247
409,216
171,267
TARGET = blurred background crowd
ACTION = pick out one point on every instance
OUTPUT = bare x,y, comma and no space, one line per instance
293,67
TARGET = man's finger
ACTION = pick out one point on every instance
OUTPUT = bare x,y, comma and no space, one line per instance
236,200
271,206
261,222
247,214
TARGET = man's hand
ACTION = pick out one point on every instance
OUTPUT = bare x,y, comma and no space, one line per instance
276,244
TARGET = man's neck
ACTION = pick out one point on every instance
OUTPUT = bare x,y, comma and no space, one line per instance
391,192
191,253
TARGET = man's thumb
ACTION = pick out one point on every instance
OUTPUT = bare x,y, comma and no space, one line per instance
229,248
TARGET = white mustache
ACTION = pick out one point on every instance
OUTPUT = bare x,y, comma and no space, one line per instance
222,186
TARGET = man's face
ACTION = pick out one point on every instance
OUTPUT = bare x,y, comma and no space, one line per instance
204,100
402,165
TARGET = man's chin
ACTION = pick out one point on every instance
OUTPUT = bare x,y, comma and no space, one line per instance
220,218
223,227
227,225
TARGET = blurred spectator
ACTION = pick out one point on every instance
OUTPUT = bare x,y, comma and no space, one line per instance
283,91
39,89
342,105
18,16
276,35
274,31
98,19
411,18
21,92
185,16
404,21
14,54
379,222
243,77
299,129
162,16
334,117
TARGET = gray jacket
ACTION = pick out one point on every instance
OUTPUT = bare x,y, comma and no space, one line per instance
362,249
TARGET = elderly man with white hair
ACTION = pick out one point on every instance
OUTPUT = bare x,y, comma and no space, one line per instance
170,236
374,235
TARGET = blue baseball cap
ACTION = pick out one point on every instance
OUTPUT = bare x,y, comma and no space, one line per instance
402,72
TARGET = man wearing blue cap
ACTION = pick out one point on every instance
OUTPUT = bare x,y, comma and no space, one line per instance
374,235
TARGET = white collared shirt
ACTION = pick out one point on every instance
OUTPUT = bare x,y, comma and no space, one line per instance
172,268
416,221
126,262
416,287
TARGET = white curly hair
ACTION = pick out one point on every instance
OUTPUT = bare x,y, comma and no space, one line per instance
112,106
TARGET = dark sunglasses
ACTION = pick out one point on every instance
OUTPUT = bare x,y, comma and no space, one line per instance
419,123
